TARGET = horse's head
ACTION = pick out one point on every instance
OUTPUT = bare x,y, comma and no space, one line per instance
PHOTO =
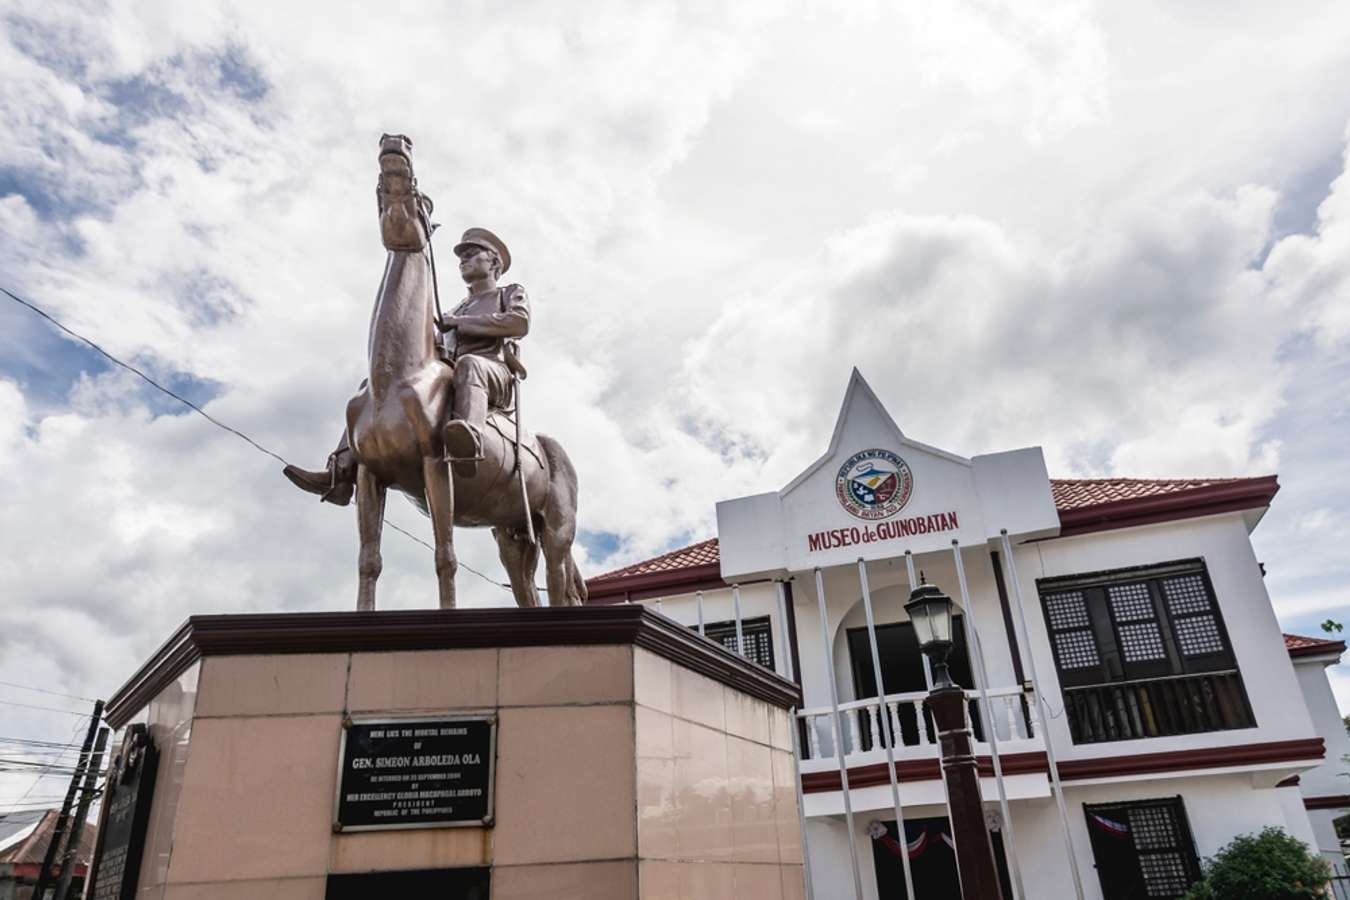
405,213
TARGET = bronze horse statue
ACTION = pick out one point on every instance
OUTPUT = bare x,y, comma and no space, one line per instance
396,422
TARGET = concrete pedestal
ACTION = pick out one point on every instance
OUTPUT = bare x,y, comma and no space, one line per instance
633,758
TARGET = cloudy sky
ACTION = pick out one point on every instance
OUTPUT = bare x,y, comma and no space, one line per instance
1119,231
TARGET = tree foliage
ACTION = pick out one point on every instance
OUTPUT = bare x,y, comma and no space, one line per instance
1271,865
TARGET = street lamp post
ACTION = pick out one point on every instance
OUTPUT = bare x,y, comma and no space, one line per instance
930,611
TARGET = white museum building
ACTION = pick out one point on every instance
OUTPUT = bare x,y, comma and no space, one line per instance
1134,703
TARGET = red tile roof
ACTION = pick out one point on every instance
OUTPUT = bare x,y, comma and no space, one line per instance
1298,645
31,849
1084,504
704,553
1081,493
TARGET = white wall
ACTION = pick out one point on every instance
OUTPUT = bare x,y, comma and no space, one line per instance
1324,833
757,600
1330,778
1218,808
890,590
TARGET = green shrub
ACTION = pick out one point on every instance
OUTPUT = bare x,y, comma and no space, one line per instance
1271,865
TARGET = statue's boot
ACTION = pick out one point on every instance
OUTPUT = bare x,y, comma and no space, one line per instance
333,485
463,447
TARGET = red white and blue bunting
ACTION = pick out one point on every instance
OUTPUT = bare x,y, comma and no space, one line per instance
1109,826
915,848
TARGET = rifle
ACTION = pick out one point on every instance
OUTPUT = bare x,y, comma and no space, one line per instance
511,354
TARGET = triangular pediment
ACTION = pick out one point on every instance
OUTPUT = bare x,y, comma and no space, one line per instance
862,417
877,494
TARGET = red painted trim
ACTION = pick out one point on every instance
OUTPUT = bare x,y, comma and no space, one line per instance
1249,493
1237,496
1324,649
918,770
1291,781
655,584
1334,801
1307,750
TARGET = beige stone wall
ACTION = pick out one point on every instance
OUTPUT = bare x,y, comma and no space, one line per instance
704,808
717,808
169,719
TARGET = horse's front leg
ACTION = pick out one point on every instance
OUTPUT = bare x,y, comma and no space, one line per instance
369,522
441,502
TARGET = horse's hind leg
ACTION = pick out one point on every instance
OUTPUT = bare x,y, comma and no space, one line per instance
520,558
369,522
441,502
565,587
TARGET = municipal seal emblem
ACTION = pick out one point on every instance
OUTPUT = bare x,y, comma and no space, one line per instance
874,484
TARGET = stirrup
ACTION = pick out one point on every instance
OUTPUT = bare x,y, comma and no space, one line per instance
459,427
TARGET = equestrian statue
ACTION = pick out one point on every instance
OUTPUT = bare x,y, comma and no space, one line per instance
439,416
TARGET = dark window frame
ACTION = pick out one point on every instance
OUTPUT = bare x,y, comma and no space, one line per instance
1124,877
1105,624
758,634
1143,652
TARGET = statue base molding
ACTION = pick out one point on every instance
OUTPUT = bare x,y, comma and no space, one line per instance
584,752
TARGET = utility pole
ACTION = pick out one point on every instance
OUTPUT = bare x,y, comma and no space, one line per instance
62,820
72,857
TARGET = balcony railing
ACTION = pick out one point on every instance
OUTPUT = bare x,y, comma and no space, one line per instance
1158,707
1014,720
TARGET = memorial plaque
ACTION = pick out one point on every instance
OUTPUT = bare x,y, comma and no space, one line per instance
125,815
416,773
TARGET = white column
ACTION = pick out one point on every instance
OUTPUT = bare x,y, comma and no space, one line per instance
991,726
796,738
736,612
838,738
700,615
887,734
1046,735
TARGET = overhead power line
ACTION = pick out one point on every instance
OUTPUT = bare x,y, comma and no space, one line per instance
33,742
205,415
74,739
39,690
69,712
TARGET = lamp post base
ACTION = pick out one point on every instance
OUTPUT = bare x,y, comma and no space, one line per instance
974,854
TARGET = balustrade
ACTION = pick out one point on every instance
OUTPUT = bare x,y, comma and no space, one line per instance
911,722
1157,707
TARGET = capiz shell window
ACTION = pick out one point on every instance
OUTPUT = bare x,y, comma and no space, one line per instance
1143,652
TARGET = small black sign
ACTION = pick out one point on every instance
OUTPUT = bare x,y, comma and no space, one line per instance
447,884
125,815
416,773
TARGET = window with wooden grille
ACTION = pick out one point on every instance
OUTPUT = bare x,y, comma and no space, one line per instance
1143,848
1143,652
756,634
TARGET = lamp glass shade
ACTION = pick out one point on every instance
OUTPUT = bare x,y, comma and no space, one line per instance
930,611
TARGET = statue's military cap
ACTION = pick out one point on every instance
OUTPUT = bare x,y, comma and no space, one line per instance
481,237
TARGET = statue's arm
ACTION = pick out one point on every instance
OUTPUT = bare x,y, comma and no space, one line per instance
512,322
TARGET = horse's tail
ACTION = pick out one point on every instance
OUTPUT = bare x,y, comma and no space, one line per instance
566,587
578,583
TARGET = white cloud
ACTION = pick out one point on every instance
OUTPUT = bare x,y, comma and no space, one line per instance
1026,226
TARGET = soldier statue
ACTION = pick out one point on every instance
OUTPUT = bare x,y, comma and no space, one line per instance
438,417
479,343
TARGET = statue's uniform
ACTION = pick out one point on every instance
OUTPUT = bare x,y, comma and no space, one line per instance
483,324
476,346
